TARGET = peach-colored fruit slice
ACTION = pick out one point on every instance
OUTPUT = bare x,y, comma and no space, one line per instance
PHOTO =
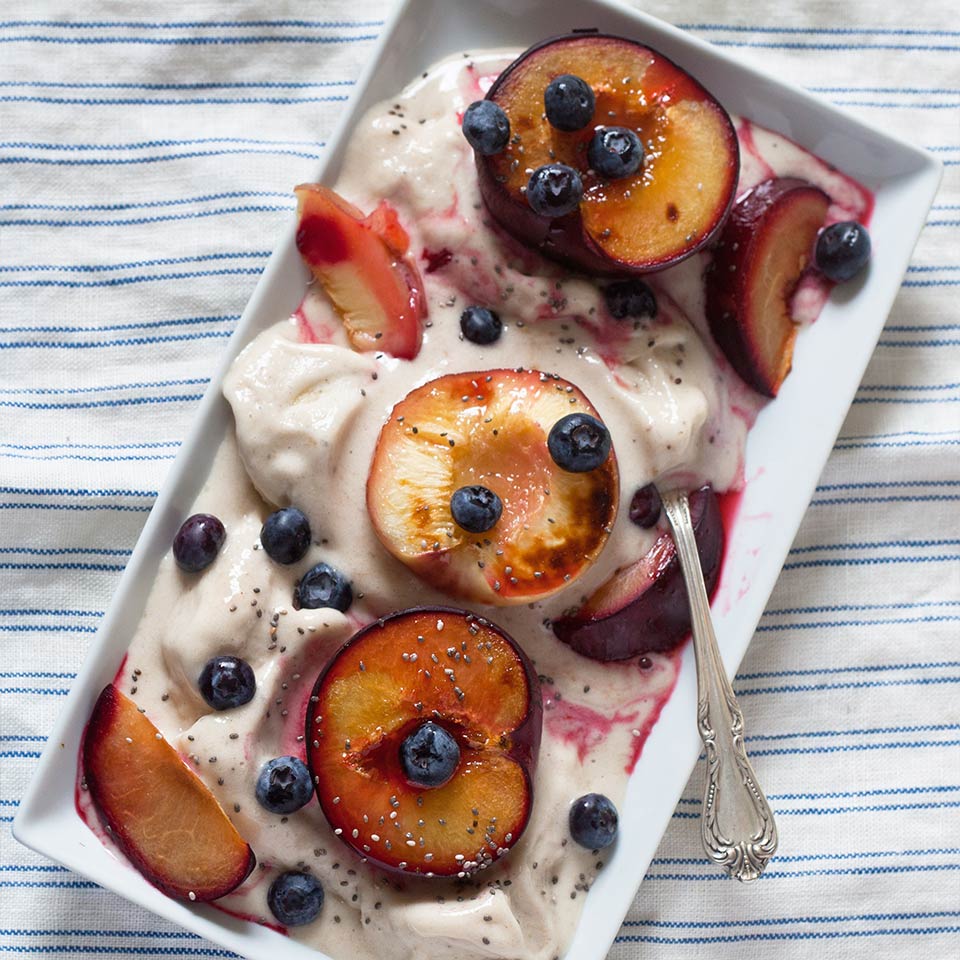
764,248
458,671
160,813
667,210
363,266
489,429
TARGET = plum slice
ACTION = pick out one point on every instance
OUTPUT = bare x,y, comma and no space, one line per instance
363,266
765,246
489,429
427,665
665,211
643,607
160,813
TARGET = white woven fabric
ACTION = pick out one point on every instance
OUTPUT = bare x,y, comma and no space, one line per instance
147,153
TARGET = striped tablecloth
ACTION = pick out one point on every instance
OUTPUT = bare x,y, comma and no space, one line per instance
146,157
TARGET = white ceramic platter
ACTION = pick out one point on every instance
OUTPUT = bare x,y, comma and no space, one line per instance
786,449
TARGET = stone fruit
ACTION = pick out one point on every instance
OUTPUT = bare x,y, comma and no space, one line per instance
489,429
159,812
672,203
372,710
363,265
643,607
764,248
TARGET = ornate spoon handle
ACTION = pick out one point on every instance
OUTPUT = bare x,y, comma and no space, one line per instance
736,824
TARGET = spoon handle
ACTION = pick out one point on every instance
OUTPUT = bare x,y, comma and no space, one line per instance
736,824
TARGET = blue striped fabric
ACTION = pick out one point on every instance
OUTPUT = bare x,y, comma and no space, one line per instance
136,212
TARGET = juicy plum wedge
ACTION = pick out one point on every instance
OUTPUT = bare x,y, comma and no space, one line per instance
643,607
160,813
490,429
457,671
765,247
668,209
363,266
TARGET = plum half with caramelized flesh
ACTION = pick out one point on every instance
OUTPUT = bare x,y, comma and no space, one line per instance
424,676
489,429
654,217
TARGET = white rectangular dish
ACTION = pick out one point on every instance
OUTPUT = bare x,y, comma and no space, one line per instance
785,453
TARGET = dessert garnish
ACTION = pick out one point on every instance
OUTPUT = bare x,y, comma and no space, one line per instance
490,429
227,682
285,535
672,203
475,509
480,325
159,812
842,250
295,898
363,264
422,735
323,586
284,785
643,607
554,190
486,127
764,248
645,506
630,298
593,821
579,443
197,542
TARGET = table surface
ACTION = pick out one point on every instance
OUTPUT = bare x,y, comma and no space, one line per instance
147,155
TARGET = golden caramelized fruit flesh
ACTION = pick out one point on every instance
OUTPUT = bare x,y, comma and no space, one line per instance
764,249
457,671
489,429
664,212
159,812
362,264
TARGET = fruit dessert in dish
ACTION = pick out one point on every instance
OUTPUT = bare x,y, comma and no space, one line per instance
405,653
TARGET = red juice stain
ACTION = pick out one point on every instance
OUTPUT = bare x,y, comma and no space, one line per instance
118,676
729,504
249,917
747,144
654,715
436,259
321,240
310,332
580,725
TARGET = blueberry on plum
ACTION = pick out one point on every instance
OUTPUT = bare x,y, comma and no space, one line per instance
285,535
569,102
475,508
323,586
554,190
198,541
579,443
486,127
429,756
842,250
284,785
645,506
295,898
227,682
630,298
480,325
593,821
615,152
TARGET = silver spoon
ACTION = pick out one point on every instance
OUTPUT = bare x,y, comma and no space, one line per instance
736,824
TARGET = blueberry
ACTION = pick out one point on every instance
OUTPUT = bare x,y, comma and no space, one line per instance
842,251
227,682
615,152
554,190
475,508
284,785
480,325
285,535
295,898
486,127
323,586
645,506
630,298
429,756
593,821
198,541
569,102
578,443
